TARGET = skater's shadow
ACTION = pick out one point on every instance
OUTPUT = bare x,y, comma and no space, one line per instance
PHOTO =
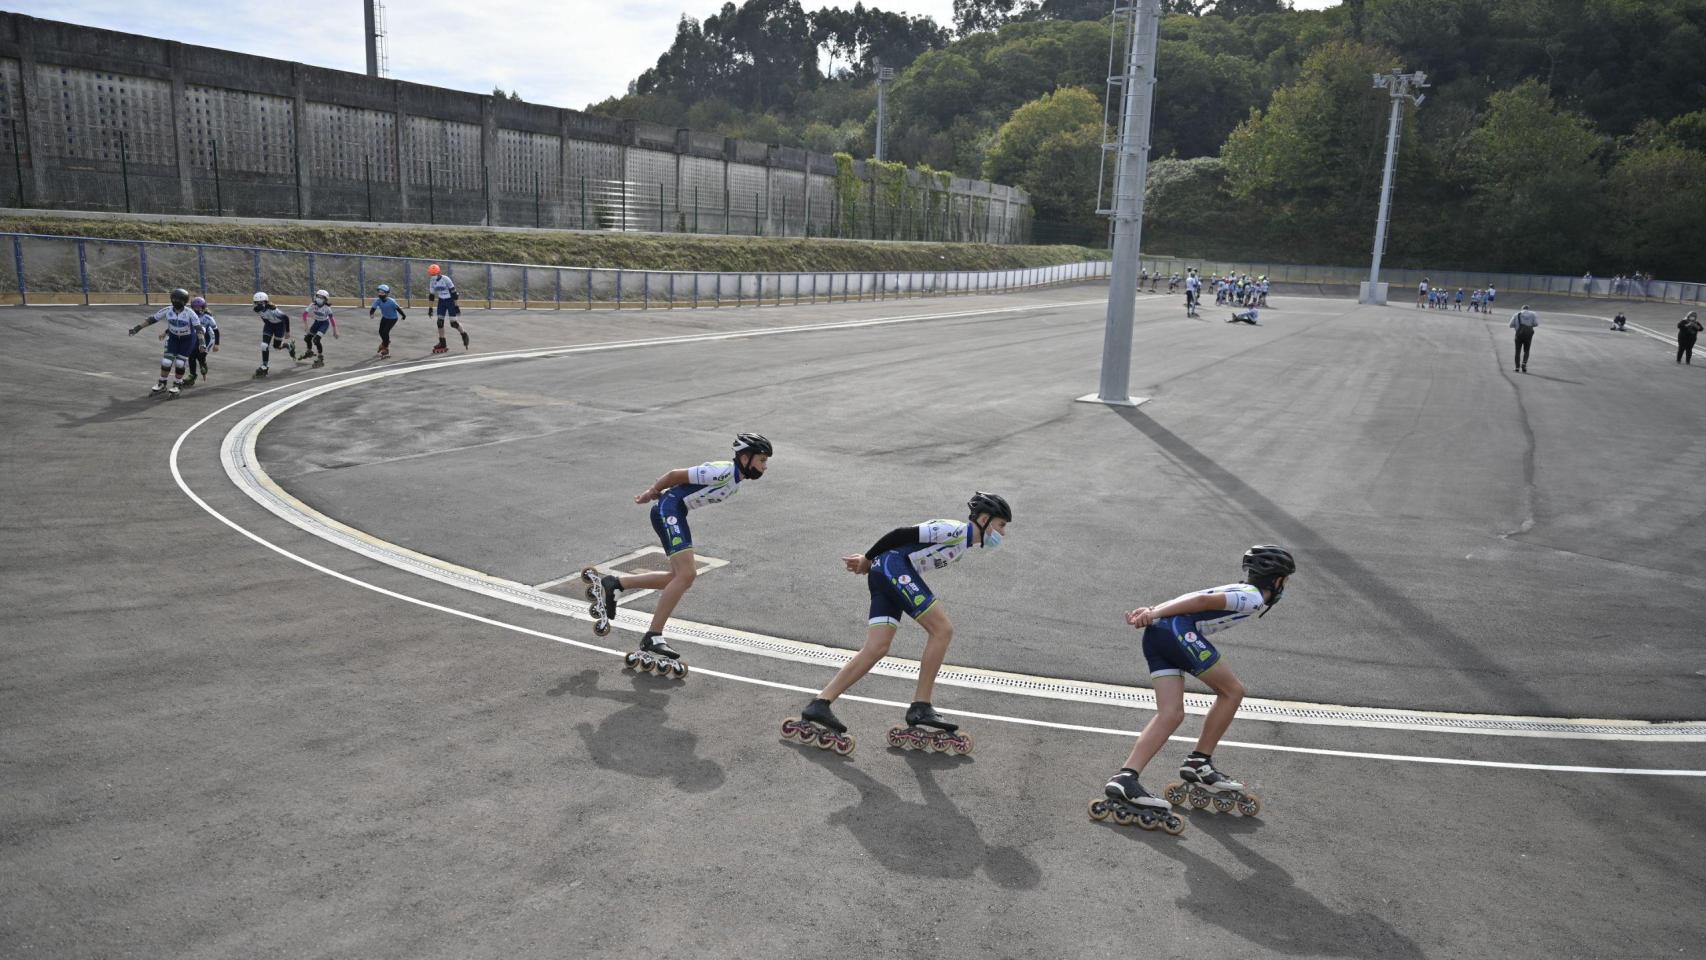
1290,920
635,739
116,409
932,838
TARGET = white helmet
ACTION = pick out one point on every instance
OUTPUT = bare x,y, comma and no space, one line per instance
322,296
261,297
385,288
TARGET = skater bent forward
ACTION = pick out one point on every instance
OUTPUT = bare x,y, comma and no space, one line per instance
672,496
1175,642
891,568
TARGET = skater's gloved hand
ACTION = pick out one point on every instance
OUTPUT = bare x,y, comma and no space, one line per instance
134,329
857,563
1141,617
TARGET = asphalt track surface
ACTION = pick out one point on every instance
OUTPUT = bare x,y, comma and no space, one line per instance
249,742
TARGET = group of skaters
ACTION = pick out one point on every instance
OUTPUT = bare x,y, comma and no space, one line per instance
1245,291
191,332
1174,633
1430,297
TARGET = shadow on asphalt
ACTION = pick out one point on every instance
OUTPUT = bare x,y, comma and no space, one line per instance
1266,906
635,739
929,839
1313,552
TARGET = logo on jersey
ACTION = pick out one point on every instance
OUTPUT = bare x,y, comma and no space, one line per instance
675,541
918,601
904,579
672,521
939,562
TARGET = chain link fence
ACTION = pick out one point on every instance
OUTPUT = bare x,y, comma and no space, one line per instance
37,269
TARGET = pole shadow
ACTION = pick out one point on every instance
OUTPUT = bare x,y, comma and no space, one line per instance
1427,634
929,839
635,739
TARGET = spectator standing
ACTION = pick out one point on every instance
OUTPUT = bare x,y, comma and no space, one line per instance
1523,322
1687,331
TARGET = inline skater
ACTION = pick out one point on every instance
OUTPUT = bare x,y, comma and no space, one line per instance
314,341
672,496
1175,642
206,339
275,331
179,337
389,313
445,296
891,568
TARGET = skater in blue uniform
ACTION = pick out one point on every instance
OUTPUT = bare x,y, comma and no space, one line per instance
206,339
893,568
317,318
672,496
1175,643
275,332
179,337
444,297
389,313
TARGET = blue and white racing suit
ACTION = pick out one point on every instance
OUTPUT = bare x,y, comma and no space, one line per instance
896,560
706,484
1179,644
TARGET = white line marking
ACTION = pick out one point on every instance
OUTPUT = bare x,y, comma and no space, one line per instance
177,476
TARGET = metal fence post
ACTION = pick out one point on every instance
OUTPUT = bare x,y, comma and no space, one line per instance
312,286
18,266
696,276
557,288
142,260
257,259
488,286
524,288
200,270
408,284
646,290
588,279
361,277
83,271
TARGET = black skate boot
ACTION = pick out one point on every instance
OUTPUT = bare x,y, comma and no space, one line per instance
656,656
290,346
319,361
601,589
818,726
1202,786
464,338
158,386
189,381
1125,800
260,373
440,347
928,730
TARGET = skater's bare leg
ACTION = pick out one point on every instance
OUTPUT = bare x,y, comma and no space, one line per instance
935,623
1228,694
682,570
877,640
645,581
1169,713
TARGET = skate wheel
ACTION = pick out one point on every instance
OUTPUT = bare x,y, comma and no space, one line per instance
1249,806
631,661
895,740
962,748
843,745
790,729
678,670
1099,809
1223,804
1175,794
1172,824
1200,800
602,629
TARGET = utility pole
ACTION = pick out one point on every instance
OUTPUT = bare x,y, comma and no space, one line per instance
1400,87
884,76
1134,81
372,38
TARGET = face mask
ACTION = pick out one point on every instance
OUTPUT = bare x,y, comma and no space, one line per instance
259,307
749,471
991,539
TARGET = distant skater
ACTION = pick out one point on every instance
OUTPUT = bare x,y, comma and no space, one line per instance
1687,331
1523,322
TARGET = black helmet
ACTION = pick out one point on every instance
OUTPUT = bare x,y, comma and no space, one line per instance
180,297
991,503
1266,561
753,443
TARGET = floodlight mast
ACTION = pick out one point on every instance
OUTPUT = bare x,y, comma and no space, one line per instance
1135,81
885,75
1400,87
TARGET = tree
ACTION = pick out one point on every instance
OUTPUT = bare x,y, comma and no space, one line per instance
1312,161
1052,148
1536,181
1657,206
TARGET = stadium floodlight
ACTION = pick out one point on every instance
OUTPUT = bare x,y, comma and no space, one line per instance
1132,77
1400,87
885,76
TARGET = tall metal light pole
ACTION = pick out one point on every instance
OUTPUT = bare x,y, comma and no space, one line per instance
368,21
1399,86
884,75
1135,82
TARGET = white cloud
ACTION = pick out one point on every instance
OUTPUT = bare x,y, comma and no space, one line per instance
567,54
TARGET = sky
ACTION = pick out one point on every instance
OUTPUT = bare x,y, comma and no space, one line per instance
569,53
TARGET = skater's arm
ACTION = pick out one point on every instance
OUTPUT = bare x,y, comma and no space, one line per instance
898,537
1190,603
670,479
331,318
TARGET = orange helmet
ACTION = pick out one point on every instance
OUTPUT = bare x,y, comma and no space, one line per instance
433,270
